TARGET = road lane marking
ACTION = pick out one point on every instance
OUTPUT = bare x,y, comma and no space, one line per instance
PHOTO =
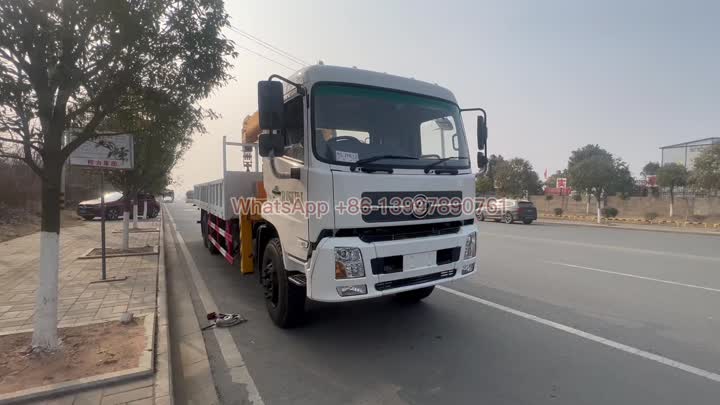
609,247
589,336
658,280
237,368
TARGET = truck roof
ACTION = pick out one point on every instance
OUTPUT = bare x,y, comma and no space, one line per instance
310,75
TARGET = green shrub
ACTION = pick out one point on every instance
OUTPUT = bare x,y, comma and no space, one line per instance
650,216
549,197
609,212
558,211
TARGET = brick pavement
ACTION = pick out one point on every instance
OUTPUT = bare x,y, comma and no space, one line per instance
80,300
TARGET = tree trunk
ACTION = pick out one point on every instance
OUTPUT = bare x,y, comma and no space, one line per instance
46,304
672,202
599,221
126,228
587,205
135,214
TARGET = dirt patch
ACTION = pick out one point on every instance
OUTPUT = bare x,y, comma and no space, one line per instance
86,351
17,222
117,251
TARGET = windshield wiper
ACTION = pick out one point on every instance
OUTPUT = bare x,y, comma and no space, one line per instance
365,161
440,161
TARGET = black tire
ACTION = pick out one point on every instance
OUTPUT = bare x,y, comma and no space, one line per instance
112,214
285,301
153,212
527,221
481,217
508,218
88,217
414,295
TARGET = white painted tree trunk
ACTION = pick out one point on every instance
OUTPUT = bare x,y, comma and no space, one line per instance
671,209
46,305
126,230
587,205
135,215
599,216
145,208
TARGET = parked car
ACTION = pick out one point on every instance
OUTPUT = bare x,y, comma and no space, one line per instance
114,203
508,211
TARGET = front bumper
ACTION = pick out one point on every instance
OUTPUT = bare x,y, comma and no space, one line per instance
86,211
420,266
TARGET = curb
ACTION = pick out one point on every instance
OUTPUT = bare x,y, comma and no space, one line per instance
156,251
162,387
649,228
144,369
138,230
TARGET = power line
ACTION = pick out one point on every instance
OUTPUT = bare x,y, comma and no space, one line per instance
269,46
265,57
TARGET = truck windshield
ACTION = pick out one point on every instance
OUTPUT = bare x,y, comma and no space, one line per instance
353,123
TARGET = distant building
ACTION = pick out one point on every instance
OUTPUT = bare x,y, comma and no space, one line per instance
685,153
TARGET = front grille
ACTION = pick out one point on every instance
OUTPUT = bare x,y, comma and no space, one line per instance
369,235
387,285
451,201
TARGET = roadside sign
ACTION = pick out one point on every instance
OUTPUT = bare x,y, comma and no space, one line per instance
105,151
561,182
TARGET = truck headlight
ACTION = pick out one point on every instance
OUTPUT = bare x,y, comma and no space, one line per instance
348,263
470,245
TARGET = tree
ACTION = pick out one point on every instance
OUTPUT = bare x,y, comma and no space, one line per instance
483,184
72,64
516,177
650,169
594,174
623,182
672,175
598,173
706,170
162,134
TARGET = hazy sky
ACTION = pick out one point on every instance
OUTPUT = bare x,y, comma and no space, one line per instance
553,75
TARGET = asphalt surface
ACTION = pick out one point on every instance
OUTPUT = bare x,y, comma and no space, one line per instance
554,314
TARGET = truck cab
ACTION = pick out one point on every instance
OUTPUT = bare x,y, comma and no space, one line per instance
386,160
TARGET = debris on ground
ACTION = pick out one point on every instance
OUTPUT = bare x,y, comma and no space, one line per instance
223,320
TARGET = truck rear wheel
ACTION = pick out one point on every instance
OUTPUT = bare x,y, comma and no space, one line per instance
414,295
285,301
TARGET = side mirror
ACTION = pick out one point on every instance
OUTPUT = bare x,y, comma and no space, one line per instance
270,143
482,161
482,132
270,105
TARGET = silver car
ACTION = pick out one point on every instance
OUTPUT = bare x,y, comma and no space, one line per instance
508,211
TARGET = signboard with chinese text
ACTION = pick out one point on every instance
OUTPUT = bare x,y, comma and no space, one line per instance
561,183
105,151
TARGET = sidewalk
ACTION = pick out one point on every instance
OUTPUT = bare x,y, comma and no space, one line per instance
630,226
81,301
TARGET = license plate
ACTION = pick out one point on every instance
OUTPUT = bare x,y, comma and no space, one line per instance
418,260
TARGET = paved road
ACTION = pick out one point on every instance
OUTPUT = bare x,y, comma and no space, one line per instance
554,315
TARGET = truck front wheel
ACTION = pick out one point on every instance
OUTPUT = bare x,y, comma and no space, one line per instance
414,295
285,301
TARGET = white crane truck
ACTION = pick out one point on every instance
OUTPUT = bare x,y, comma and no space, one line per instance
365,189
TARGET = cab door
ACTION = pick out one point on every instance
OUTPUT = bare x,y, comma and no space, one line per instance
285,179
